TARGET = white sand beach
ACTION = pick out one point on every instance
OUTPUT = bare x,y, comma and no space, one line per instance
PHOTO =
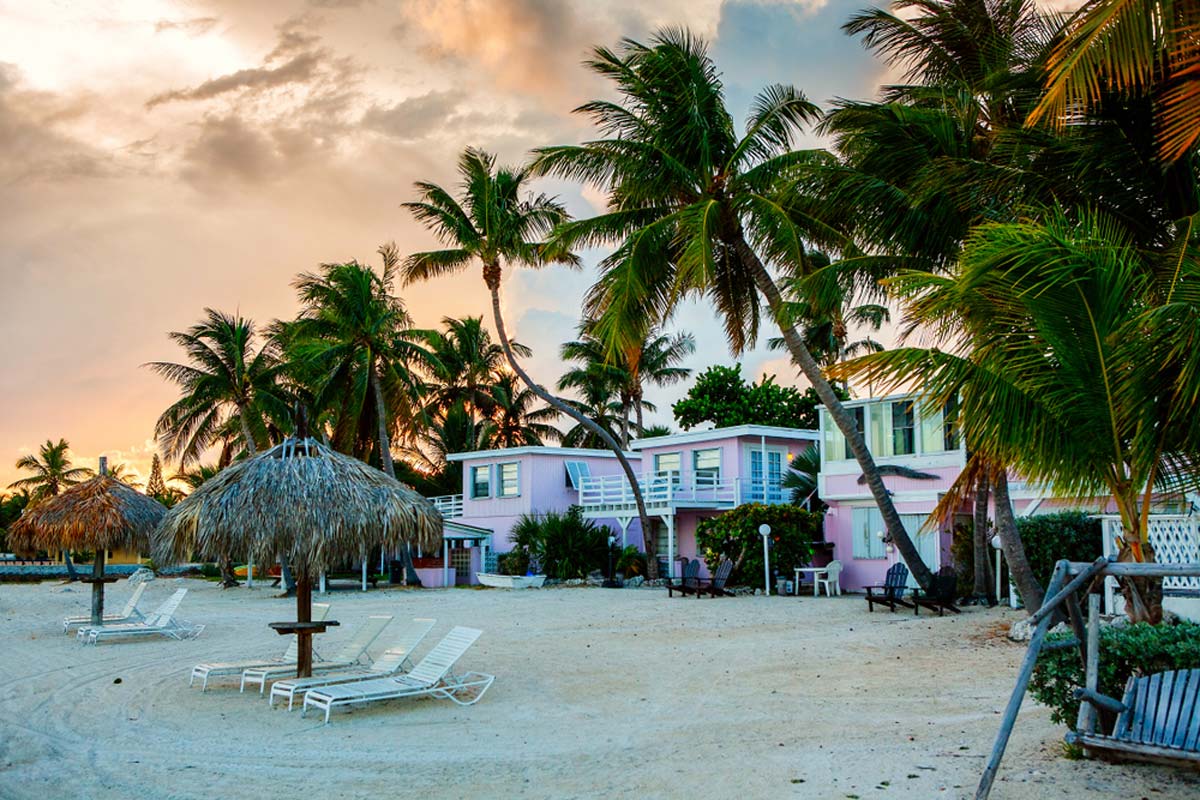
599,693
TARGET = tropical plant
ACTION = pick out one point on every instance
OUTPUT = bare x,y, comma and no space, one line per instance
696,210
516,420
123,473
801,479
734,535
566,545
52,471
1073,535
656,430
722,397
195,477
496,222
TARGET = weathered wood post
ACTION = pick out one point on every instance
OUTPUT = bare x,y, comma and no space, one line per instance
1086,721
98,570
304,635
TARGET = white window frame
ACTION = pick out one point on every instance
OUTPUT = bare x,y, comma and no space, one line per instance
675,473
709,478
500,492
487,470
576,476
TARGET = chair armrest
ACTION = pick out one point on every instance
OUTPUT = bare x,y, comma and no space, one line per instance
1100,701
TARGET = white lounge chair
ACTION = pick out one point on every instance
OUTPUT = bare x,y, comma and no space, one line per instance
128,614
348,656
393,660
216,669
431,677
160,622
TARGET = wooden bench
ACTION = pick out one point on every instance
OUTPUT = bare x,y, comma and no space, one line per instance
1157,720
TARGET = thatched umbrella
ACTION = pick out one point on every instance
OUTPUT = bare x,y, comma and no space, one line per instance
305,505
99,514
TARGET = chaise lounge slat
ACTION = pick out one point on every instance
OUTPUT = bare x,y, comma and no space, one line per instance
160,622
347,657
129,613
216,669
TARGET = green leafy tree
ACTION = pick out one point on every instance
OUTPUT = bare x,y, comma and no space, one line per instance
722,396
734,535
155,485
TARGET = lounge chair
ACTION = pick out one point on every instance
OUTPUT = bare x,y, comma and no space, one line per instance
217,669
347,657
393,660
160,622
128,614
891,592
689,583
832,580
431,676
716,585
1158,719
942,595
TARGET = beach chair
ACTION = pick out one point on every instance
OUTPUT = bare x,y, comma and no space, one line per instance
347,657
430,677
1157,720
218,669
832,580
942,595
160,622
689,583
128,614
891,592
395,659
716,586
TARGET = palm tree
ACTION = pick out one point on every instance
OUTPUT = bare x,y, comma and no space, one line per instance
195,477
515,421
696,210
123,473
598,402
356,348
52,471
495,223
226,385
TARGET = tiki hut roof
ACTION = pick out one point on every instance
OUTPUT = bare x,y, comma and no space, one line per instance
300,501
101,513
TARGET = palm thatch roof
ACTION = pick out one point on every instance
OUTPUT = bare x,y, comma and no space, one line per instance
101,513
298,501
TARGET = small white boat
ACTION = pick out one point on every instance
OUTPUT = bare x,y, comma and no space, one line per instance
511,581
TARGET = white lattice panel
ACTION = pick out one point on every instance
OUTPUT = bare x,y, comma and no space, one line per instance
1175,539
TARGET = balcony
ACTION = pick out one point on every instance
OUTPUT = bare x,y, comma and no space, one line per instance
451,505
665,492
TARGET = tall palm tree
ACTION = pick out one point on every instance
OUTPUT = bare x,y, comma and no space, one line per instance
355,343
696,210
52,471
495,222
226,384
124,473
515,419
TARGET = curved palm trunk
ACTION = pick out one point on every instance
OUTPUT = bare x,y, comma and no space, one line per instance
984,581
1019,570
385,457
641,419
854,440
491,276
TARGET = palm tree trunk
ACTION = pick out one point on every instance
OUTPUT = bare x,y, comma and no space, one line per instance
854,440
385,444
624,424
491,276
983,575
641,419
1019,570
72,575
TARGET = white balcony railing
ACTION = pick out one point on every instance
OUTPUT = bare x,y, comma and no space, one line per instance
451,505
671,489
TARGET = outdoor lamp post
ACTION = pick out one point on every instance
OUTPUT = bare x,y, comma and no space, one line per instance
996,546
764,530
611,581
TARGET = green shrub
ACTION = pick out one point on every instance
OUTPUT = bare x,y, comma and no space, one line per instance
514,562
1072,535
631,562
1139,649
210,570
734,535
566,545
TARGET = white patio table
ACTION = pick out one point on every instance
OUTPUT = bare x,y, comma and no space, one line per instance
813,572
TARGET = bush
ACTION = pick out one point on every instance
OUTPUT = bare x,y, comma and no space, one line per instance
1072,535
1138,649
734,535
565,545
514,562
210,570
631,562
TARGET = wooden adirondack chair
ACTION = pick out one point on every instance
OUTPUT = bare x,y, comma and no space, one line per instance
941,599
1158,719
716,586
689,583
891,592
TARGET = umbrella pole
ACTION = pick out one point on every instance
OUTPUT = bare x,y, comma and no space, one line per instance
98,588
304,614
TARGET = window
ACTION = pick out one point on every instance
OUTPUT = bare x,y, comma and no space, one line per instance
835,442
868,524
576,472
668,464
509,479
481,481
903,417
773,491
950,424
939,427
706,467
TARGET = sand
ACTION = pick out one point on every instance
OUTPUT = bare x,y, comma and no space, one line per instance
600,693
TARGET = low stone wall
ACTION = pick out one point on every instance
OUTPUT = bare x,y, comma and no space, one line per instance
17,573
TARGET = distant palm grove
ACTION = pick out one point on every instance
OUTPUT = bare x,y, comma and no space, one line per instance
1025,197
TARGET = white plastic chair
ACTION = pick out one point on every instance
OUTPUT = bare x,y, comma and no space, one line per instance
831,581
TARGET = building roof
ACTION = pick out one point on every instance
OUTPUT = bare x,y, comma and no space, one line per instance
769,431
537,450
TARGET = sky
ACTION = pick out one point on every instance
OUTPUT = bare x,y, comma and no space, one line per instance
158,157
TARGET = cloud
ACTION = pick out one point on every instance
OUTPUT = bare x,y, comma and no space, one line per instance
300,69
193,27
412,118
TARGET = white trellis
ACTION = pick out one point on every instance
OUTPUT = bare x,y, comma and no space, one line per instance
1175,539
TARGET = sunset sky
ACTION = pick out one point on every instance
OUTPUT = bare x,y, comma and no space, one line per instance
159,157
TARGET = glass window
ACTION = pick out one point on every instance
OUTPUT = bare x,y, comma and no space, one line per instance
950,424
668,464
480,481
880,440
931,428
706,466
576,472
835,443
903,417
509,479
